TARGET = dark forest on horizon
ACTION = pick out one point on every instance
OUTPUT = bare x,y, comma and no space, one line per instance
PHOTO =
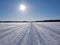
29,21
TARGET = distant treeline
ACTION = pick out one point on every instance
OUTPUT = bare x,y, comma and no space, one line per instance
12,21
48,21
29,21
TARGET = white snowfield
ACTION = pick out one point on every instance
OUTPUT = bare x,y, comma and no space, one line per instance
36,33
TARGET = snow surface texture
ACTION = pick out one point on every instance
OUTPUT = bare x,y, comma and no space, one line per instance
37,33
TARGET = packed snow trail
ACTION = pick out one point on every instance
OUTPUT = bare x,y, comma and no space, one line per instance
36,33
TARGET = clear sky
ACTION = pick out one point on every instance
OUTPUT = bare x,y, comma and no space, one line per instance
36,9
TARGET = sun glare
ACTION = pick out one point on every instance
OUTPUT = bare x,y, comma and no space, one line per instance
22,7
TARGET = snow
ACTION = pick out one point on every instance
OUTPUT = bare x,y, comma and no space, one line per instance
36,33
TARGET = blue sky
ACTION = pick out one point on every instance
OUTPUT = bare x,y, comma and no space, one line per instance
36,10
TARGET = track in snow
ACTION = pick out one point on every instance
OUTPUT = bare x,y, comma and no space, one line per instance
36,33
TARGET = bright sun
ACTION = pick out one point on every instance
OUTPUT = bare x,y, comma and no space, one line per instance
22,7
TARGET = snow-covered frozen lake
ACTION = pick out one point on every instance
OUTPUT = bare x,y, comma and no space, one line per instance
36,33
